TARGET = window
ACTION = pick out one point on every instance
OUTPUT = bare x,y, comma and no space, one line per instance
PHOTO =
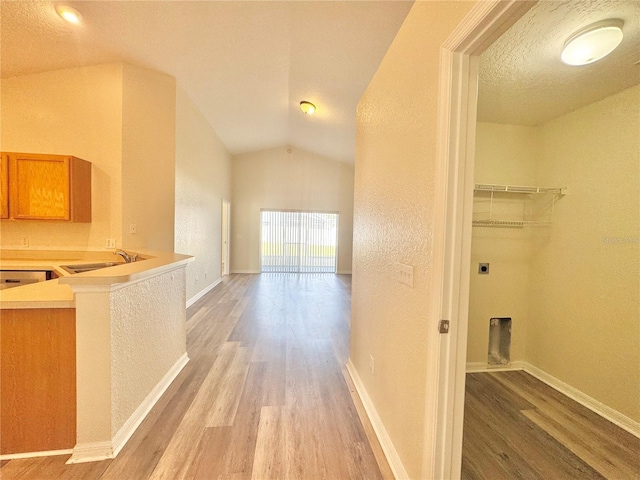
298,242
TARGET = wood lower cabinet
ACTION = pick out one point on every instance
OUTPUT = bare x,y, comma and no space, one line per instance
4,185
37,380
48,187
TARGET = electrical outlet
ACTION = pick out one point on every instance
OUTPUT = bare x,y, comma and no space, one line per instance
133,229
205,275
405,274
24,241
111,243
371,364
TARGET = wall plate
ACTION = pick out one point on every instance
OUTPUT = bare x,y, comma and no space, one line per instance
483,269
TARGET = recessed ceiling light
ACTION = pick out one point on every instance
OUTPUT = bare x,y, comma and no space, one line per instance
69,14
307,107
593,42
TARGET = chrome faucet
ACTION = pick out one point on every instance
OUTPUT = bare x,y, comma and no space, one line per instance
128,258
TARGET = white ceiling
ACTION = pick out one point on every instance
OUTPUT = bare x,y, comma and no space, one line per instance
248,64
524,82
245,64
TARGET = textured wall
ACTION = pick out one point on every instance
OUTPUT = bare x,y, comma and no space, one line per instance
203,179
78,112
148,336
279,180
585,309
393,222
148,158
505,154
120,118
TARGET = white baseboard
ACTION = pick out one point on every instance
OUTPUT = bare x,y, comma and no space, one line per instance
252,272
47,453
585,400
615,417
388,448
92,452
130,426
203,292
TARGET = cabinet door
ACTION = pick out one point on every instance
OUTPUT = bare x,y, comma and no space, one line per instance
4,185
38,380
40,187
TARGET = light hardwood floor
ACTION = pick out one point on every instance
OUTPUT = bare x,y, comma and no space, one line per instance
263,397
516,426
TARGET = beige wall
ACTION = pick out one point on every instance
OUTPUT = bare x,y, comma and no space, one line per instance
585,298
203,179
78,112
575,286
505,154
393,222
129,338
148,338
279,180
148,158
120,118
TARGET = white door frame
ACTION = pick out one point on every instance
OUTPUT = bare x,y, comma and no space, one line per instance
226,237
457,104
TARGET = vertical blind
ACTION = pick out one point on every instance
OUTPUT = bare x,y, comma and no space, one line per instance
298,242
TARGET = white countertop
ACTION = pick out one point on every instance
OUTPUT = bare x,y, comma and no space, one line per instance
58,293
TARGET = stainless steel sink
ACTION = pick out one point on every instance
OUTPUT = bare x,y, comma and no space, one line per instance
88,267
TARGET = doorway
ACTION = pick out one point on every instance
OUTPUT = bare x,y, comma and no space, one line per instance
542,230
298,242
460,62
459,59
226,236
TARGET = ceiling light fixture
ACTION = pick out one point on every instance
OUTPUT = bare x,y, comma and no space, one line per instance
307,107
69,14
593,42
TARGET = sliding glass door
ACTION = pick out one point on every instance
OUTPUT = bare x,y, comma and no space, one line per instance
298,242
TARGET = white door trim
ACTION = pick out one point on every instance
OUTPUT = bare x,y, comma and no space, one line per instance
457,104
226,237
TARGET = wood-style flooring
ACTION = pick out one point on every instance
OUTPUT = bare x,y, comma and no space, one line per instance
263,397
517,427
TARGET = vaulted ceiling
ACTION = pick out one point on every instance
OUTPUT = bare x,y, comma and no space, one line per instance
245,64
248,64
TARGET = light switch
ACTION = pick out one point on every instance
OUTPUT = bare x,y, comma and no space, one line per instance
405,274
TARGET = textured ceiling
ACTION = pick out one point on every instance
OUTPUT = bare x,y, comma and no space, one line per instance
247,65
524,82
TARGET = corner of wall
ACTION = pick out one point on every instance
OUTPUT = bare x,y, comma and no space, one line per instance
202,181
148,158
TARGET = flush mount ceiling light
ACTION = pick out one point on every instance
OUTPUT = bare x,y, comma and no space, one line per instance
593,42
69,14
307,107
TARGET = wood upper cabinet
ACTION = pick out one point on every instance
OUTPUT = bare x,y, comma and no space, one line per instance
49,187
4,185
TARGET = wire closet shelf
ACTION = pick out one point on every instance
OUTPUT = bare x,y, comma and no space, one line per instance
537,205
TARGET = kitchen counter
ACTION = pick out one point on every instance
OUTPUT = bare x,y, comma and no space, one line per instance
57,293
91,351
